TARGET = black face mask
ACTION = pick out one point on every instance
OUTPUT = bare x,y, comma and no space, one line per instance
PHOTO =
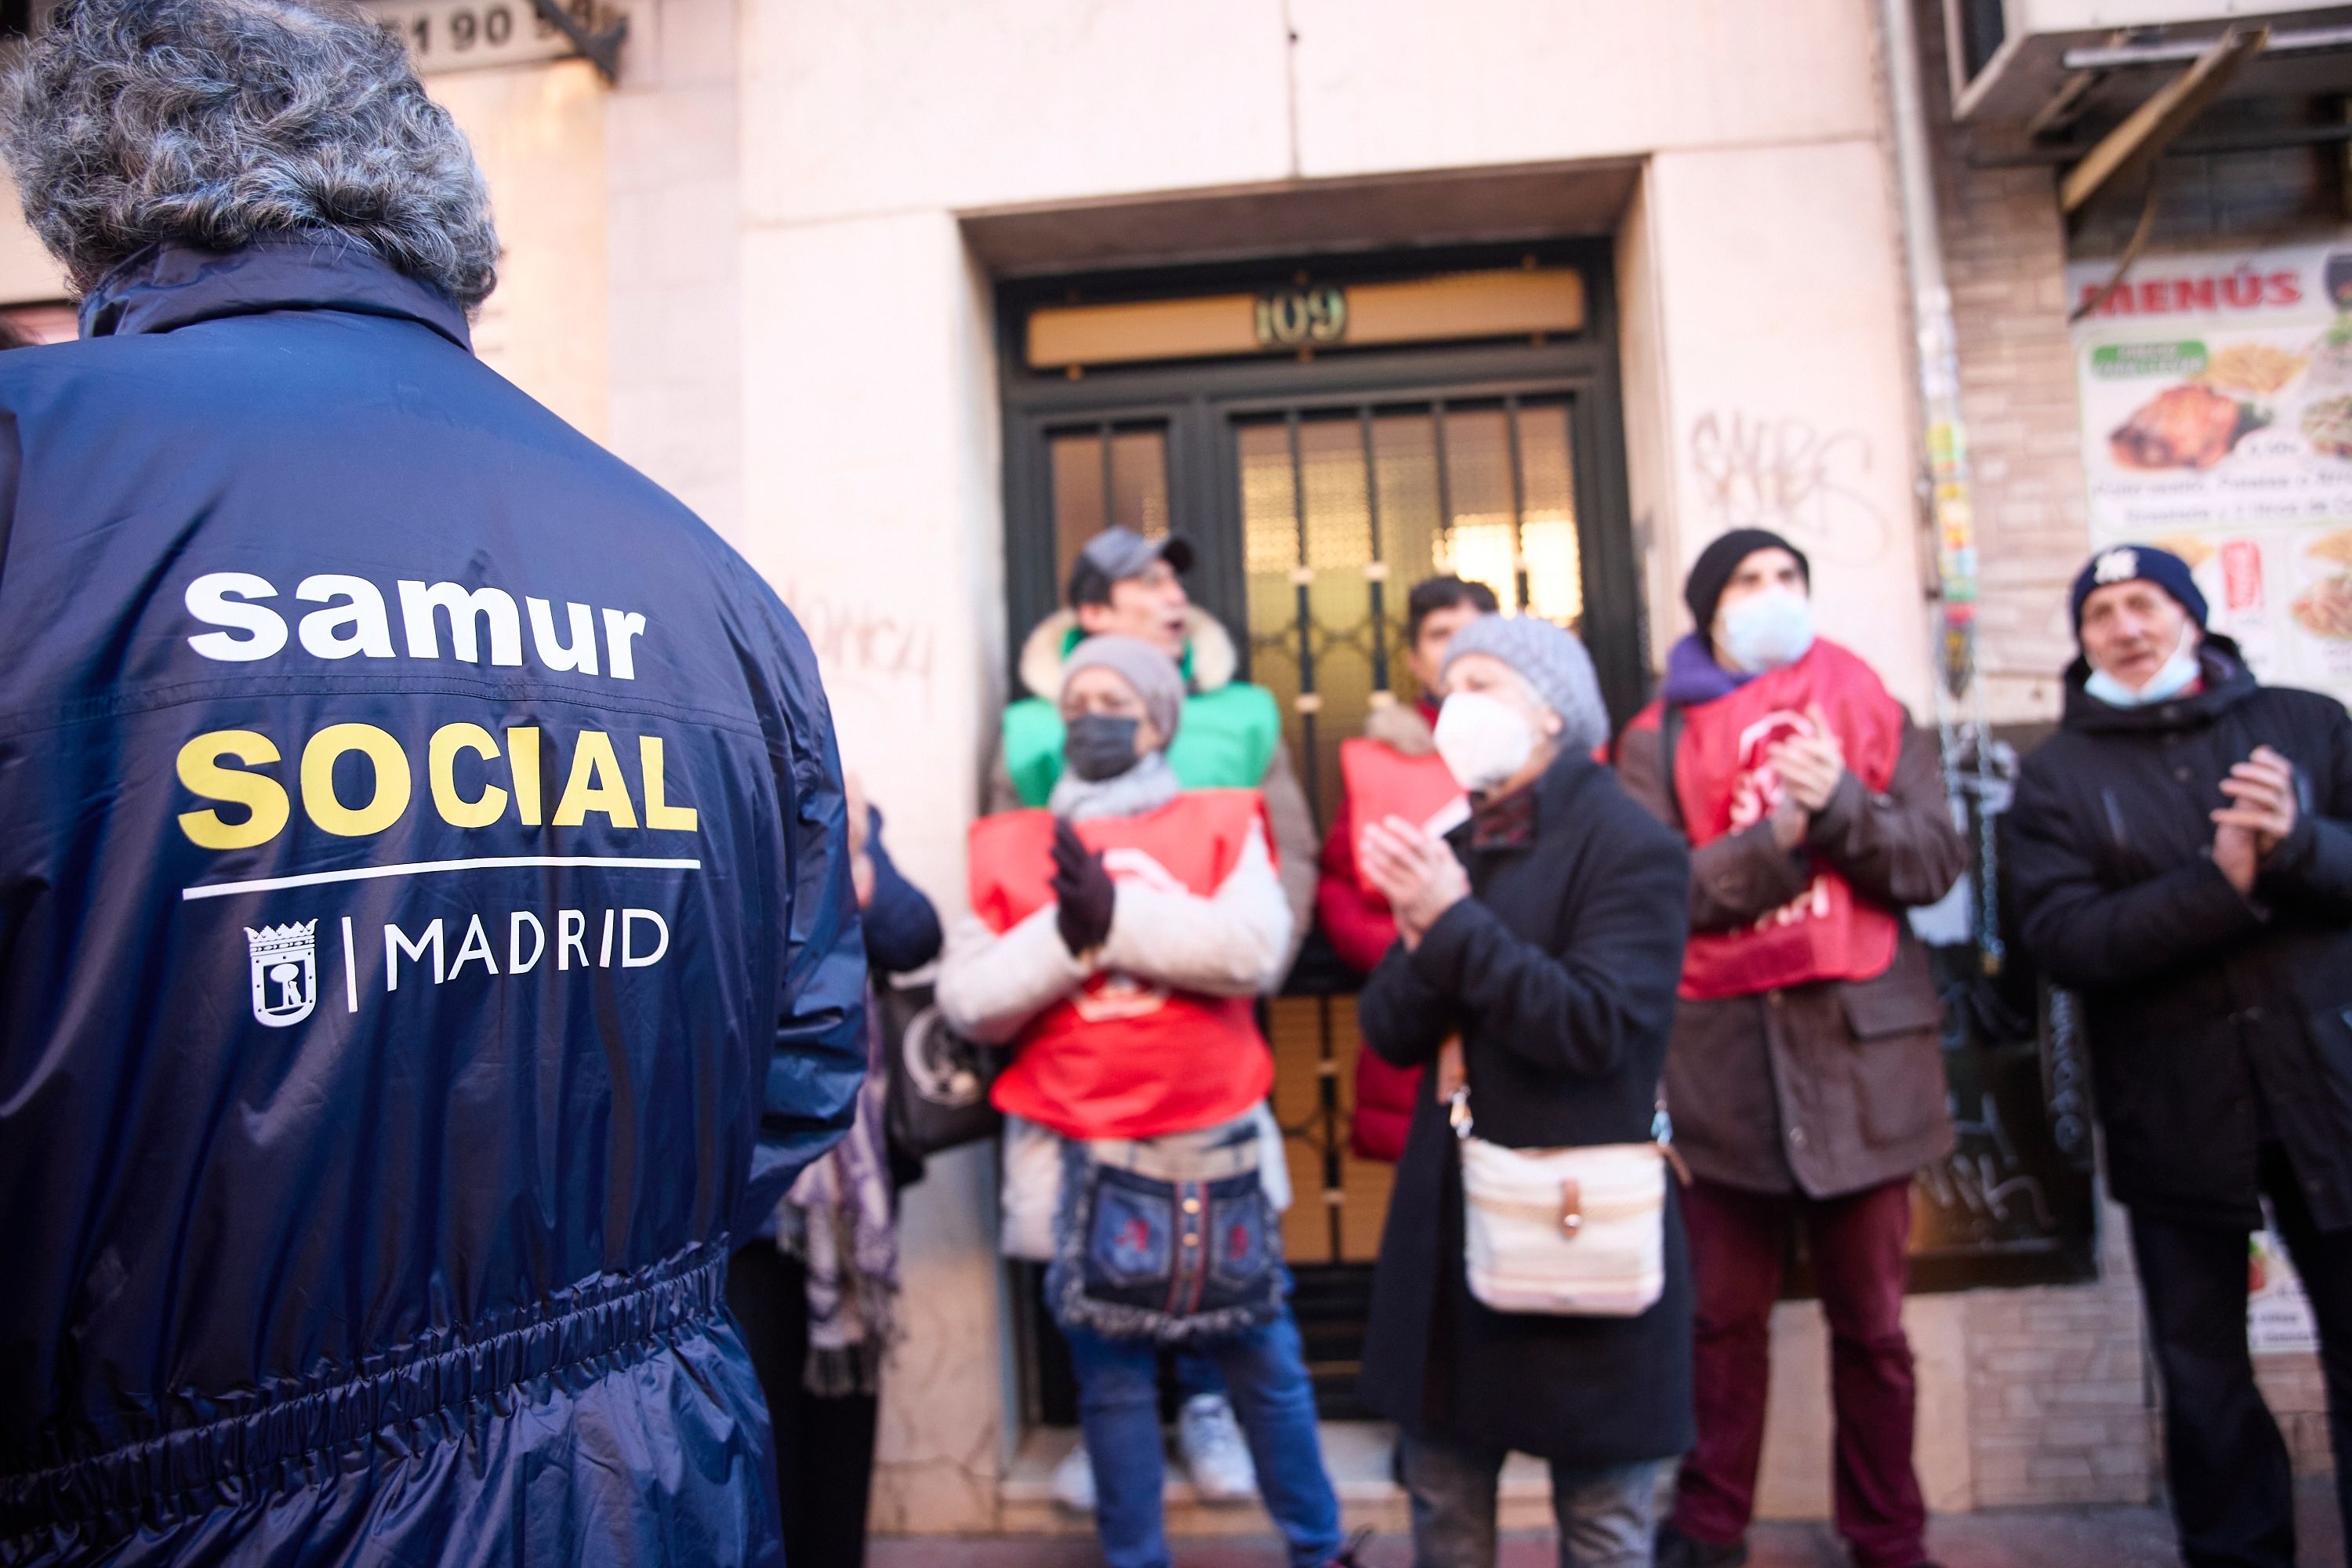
1101,747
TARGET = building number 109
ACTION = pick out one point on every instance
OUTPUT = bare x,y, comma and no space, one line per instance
1301,317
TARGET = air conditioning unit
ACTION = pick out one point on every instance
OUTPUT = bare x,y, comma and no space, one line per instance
2042,65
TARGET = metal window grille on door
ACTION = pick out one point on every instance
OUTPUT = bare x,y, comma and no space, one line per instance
1342,511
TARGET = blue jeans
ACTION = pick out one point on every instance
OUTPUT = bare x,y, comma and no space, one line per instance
1266,1377
1196,1374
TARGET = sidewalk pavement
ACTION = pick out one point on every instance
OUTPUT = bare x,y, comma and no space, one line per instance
2037,1538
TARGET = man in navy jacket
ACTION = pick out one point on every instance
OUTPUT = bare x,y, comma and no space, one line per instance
2181,856
425,932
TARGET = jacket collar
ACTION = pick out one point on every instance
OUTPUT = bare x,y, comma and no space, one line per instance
1210,663
171,285
1693,677
1510,824
2227,683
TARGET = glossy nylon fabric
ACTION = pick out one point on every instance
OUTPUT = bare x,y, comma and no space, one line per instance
327,1240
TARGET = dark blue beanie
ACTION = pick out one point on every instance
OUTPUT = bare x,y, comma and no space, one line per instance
2138,563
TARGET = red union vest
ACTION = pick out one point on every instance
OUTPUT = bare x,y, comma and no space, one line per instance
1125,1057
1382,782
1723,785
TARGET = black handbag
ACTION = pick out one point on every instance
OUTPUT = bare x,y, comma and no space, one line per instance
937,1097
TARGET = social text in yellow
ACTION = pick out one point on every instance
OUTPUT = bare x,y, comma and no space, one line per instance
595,783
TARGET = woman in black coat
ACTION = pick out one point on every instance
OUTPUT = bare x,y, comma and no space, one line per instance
1547,933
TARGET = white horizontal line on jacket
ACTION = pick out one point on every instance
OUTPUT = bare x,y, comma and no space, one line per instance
422,867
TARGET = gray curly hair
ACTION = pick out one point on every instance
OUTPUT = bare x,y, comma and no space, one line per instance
217,123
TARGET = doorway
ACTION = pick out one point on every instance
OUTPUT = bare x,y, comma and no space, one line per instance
1317,484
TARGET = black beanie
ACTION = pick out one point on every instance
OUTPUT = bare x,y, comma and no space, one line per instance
2138,564
1713,569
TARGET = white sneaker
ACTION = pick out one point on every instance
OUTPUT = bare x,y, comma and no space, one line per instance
1210,1441
1073,1480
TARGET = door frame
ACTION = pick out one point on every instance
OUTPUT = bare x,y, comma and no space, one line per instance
1198,399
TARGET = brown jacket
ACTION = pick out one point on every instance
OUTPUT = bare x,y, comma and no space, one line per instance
1835,1086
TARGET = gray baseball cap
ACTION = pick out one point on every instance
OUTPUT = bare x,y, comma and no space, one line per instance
1118,553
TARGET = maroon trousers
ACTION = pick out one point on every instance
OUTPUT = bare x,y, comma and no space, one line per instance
1857,1244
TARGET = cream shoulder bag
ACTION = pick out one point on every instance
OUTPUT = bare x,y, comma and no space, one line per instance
1576,1232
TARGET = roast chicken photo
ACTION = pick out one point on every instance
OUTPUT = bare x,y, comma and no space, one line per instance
2189,426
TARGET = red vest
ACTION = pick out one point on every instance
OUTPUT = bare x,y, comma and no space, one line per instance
1124,1058
1382,782
1724,785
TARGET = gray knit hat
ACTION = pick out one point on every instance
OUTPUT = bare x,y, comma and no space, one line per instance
1152,672
1554,665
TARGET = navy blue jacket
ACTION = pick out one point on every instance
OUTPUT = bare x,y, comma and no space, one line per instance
2215,1022
426,939
902,928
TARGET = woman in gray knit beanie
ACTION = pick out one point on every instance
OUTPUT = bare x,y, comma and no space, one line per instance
1553,664
1541,946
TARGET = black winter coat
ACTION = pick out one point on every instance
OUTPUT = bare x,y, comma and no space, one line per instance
425,946
2208,1015
1559,974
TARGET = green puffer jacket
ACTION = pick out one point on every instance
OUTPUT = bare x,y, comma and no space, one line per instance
1230,738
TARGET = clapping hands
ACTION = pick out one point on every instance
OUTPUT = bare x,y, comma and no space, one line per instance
1415,872
2260,816
1810,766
1082,891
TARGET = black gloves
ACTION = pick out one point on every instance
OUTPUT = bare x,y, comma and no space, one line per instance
1084,890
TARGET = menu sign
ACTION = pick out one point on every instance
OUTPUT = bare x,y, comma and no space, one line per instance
2217,422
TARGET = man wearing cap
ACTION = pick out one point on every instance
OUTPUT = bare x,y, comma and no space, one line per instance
1806,1079
1124,585
2181,856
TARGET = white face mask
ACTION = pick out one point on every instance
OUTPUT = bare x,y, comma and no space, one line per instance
1767,630
2170,680
1483,739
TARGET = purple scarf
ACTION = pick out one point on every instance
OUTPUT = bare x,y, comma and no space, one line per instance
1693,677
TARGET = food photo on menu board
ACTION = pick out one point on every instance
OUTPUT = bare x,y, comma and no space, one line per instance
2216,396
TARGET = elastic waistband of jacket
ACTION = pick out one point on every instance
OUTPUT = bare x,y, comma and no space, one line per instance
412,1406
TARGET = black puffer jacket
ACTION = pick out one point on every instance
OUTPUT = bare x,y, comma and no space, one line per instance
2210,1018
1559,974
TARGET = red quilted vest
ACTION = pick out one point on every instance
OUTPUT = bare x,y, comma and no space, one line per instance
1723,785
1125,1057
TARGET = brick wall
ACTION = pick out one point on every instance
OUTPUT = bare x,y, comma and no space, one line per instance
2005,258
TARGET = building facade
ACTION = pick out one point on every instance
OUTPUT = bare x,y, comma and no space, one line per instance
907,297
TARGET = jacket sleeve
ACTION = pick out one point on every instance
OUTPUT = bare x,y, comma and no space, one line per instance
1234,942
2316,859
989,986
1736,879
1403,1017
1609,989
2089,938
1294,837
818,1058
902,930
1359,923
1899,848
